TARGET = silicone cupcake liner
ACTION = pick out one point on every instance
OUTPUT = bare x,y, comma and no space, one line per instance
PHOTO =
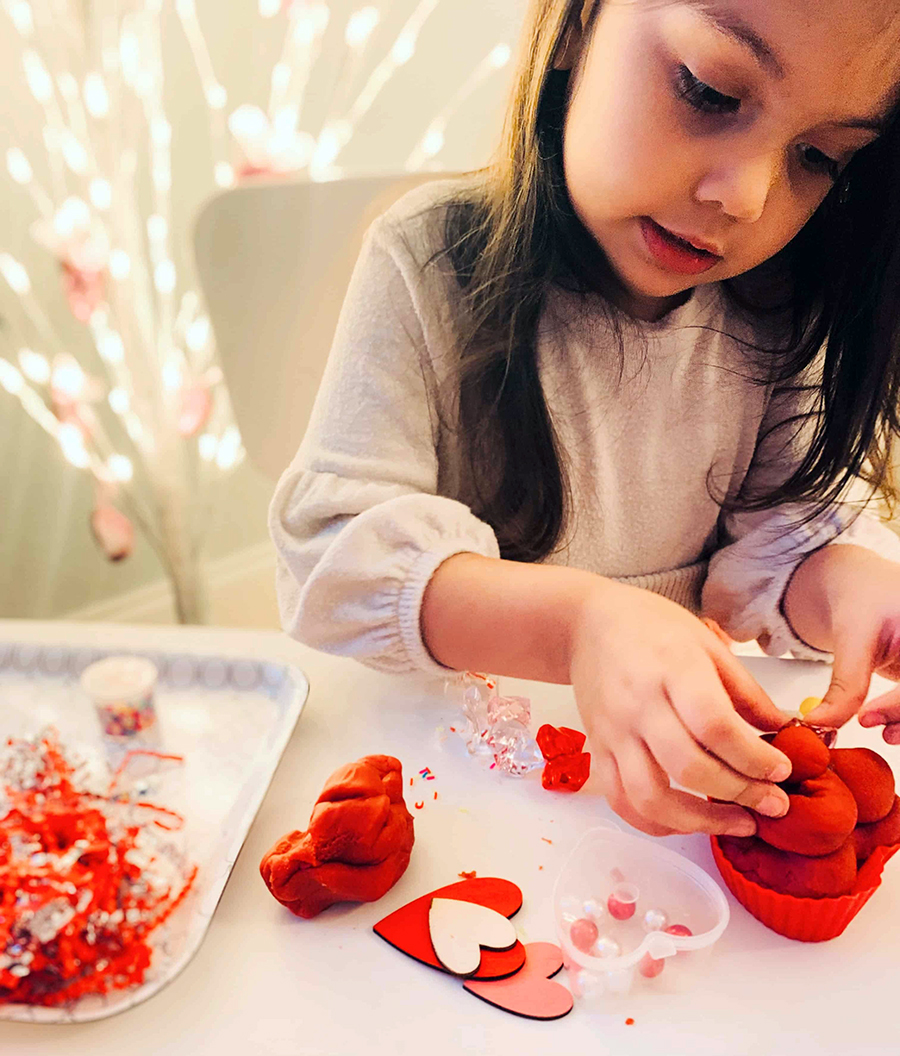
805,919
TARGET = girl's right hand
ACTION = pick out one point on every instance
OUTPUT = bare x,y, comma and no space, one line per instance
664,700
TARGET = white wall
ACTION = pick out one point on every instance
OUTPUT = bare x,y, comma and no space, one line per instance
48,562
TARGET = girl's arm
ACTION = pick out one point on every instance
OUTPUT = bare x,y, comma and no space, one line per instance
659,694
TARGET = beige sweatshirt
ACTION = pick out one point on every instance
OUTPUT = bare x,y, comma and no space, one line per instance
375,498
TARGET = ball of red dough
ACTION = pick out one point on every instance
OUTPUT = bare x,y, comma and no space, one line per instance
883,833
792,874
357,846
806,750
869,778
821,816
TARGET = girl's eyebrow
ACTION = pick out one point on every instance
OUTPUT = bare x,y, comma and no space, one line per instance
732,25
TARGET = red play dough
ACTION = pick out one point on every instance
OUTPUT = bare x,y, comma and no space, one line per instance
357,846
869,778
884,833
821,816
530,992
407,928
792,874
807,752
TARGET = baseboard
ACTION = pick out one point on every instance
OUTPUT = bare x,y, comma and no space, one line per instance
241,590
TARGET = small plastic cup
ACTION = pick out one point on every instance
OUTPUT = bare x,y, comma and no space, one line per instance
122,690
625,957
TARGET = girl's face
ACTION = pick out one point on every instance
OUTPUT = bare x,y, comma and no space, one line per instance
725,123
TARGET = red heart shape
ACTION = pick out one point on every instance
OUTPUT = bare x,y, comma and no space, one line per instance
530,992
407,930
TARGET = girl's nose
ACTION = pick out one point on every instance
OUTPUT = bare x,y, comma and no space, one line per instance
740,185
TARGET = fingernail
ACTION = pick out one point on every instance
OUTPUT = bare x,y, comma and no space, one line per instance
781,772
873,718
772,806
745,827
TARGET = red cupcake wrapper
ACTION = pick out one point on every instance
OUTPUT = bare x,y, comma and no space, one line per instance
805,919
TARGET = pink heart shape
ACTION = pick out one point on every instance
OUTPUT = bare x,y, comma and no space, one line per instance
530,992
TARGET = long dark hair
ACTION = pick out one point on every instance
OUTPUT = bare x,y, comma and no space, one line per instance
513,234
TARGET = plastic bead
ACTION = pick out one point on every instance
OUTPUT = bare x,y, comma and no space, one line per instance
621,903
567,773
679,929
583,934
594,909
655,920
809,704
650,967
555,742
606,946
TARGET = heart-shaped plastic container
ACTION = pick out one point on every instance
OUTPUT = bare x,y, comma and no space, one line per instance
642,899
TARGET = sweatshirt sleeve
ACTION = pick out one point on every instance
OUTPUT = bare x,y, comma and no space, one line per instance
357,521
749,574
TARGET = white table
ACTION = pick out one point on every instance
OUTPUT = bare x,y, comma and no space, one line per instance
266,982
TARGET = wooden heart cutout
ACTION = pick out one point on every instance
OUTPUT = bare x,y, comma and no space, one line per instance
406,929
459,929
531,992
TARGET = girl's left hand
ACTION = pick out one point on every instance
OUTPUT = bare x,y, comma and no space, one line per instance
861,595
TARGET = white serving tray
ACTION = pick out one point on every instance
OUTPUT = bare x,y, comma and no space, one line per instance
231,720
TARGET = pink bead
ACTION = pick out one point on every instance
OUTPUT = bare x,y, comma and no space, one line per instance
583,934
678,929
650,967
618,909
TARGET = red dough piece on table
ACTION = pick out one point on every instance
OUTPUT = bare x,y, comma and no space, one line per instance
869,778
821,816
807,752
792,874
554,742
884,833
357,846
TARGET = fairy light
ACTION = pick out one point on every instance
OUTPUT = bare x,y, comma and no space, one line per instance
360,27
207,444
76,157
34,366
40,84
68,86
229,448
223,173
68,378
72,443
269,8
118,400
291,74
18,166
15,274
73,216
10,378
111,347
160,132
281,78
171,375
96,97
157,228
119,264
130,56
120,467
197,334
217,96
22,17
164,276
100,193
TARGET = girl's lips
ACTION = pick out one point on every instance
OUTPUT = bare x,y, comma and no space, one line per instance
673,253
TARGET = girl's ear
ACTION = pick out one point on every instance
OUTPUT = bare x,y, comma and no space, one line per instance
570,47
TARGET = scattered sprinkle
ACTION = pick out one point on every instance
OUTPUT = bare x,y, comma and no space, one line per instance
491,767
411,781
544,838
435,795
540,868
453,729
629,1022
467,876
420,805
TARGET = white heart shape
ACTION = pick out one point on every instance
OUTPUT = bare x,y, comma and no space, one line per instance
459,929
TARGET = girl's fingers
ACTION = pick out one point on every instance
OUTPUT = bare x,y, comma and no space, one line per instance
688,765
880,711
647,788
702,704
854,662
607,773
748,697
891,733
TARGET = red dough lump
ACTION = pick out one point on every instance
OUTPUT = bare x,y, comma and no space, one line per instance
792,874
808,755
357,846
869,778
821,816
884,833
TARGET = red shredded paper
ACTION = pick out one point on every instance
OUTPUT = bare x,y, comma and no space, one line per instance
82,883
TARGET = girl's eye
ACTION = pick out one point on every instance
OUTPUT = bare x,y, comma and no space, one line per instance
702,97
816,161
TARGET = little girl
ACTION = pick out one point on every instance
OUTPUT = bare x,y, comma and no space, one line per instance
624,377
